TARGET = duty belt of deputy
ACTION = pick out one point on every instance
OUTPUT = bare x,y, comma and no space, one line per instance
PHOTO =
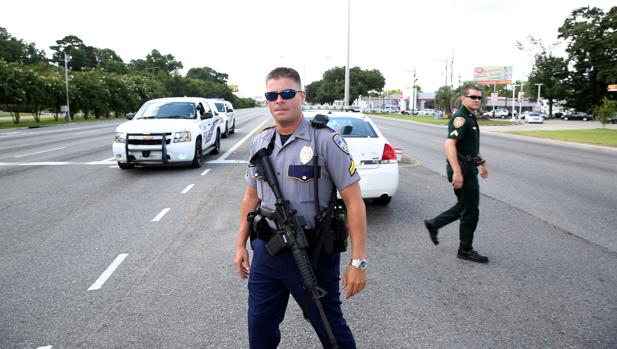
471,159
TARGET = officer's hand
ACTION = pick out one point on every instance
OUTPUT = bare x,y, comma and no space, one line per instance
483,171
457,180
241,262
354,281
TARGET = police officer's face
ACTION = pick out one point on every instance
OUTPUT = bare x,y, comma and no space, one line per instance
472,100
285,111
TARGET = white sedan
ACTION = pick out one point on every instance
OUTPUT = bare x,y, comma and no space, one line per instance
534,117
375,158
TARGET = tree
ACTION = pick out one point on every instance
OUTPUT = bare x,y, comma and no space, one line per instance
16,50
591,36
606,111
311,91
156,65
80,56
332,85
445,99
207,74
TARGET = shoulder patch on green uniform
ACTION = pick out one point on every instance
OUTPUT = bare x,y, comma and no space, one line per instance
266,129
340,142
458,122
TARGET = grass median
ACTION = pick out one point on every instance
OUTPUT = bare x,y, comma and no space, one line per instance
599,136
26,120
430,120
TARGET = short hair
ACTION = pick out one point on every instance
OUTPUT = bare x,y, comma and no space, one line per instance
284,72
471,87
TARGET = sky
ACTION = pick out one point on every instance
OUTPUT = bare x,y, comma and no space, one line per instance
247,38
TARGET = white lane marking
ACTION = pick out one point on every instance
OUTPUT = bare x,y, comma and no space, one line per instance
227,162
39,152
110,159
205,172
107,273
161,214
45,163
114,166
188,187
45,347
227,153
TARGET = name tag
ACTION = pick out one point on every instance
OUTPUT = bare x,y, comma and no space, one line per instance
302,173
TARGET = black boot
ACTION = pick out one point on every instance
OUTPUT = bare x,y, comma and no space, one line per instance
471,255
432,230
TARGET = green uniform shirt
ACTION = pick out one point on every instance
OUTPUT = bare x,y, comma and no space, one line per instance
463,126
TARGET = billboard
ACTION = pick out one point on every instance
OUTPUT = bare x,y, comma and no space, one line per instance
493,75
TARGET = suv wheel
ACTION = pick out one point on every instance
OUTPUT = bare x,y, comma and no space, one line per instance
382,200
233,127
226,133
217,144
198,154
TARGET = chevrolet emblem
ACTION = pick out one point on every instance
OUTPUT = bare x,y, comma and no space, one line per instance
148,138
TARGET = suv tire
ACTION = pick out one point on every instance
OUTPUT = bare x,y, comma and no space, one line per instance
198,154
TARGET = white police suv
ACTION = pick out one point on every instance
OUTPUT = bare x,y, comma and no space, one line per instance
168,131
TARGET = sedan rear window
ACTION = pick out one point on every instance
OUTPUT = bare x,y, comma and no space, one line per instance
352,127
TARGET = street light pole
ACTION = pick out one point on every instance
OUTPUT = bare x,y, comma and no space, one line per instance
513,96
346,101
539,85
66,83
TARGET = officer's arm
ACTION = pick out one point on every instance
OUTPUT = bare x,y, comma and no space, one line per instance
249,203
450,147
356,219
241,256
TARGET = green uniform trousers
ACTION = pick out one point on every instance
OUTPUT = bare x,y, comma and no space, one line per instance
466,208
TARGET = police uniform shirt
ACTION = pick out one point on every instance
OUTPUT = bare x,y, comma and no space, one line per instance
463,126
293,166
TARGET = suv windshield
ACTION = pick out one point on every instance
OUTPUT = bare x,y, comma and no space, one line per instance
167,110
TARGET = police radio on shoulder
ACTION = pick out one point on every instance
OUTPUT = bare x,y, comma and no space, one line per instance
359,263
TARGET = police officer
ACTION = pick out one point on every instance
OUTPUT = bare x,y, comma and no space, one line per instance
272,278
463,158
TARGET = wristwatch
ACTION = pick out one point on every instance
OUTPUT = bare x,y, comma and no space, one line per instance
358,263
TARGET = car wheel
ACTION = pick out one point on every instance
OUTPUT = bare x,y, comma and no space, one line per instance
217,144
226,133
382,200
233,127
199,153
124,166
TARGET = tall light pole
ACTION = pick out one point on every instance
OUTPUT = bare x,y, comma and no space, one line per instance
346,102
513,96
538,90
66,83
413,92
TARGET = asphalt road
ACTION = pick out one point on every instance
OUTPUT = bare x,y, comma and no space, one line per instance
68,213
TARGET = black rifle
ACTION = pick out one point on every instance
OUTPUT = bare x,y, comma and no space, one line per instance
290,234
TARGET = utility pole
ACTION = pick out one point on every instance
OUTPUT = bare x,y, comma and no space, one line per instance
513,96
66,83
346,101
413,92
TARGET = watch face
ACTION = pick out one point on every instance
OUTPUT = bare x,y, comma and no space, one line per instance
362,265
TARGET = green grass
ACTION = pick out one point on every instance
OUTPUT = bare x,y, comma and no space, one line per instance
430,120
27,121
598,136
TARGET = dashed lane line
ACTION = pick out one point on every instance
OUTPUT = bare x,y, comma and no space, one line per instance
188,187
161,214
107,273
39,152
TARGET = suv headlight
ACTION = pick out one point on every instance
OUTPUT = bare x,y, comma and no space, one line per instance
184,136
120,137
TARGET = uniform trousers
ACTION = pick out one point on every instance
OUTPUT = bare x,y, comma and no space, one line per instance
466,208
273,278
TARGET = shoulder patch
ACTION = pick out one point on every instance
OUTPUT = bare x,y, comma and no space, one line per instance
459,121
340,142
454,133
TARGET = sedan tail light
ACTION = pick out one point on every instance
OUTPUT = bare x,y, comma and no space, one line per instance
389,155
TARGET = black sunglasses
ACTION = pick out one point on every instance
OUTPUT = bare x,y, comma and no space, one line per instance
285,94
474,97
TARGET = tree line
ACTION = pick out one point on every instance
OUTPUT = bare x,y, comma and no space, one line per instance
100,82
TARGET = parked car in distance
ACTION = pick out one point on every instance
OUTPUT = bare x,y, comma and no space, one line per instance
226,112
374,157
429,112
534,118
577,115
168,131
613,120
392,109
